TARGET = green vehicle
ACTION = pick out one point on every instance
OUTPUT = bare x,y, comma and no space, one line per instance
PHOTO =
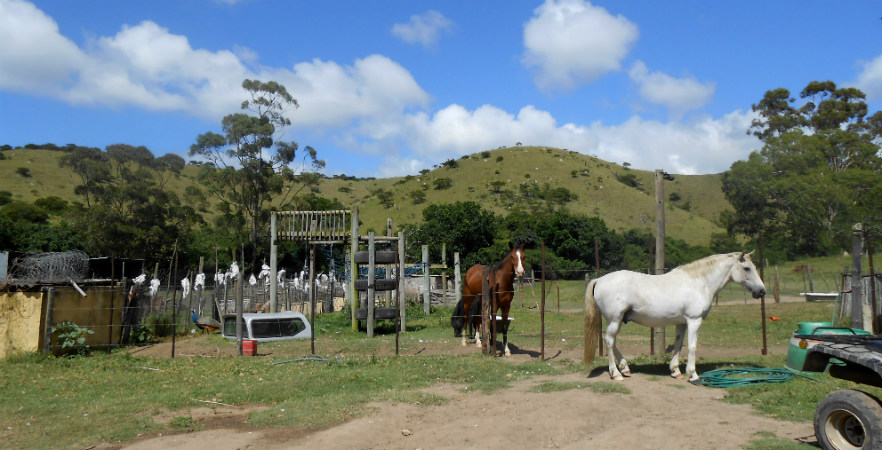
845,419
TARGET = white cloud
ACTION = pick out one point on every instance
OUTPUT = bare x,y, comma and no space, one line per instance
569,42
424,29
677,94
34,57
331,95
869,80
148,67
703,145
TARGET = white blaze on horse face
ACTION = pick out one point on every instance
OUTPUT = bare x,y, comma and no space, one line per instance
519,269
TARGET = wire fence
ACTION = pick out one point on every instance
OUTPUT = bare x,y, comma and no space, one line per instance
145,308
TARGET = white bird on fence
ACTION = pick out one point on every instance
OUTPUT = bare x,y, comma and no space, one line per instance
154,287
200,282
253,280
280,277
264,272
220,279
234,270
140,279
185,286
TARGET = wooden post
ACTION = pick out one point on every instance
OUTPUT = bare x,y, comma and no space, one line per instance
658,334
857,303
427,287
457,278
240,299
353,268
485,310
371,291
402,301
444,274
762,263
174,302
875,311
312,293
47,324
274,265
542,311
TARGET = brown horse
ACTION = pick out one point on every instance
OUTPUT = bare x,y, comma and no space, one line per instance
502,276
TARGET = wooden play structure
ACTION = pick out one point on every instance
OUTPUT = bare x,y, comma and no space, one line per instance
341,227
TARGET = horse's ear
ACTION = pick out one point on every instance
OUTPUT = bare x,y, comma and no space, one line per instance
511,245
741,257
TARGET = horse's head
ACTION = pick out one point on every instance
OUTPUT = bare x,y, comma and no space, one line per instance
516,256
744,273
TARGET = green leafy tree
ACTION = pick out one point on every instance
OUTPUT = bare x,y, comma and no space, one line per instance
90,165
465,227
127,210
248,166
815,174
417,196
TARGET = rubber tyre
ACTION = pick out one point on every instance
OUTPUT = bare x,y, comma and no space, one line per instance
380,284
849,420
380,257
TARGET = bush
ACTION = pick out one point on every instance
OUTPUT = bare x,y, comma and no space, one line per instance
72,337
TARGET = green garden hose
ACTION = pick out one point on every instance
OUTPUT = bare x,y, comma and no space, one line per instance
745,376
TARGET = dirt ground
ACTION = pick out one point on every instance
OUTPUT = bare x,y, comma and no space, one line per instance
659,413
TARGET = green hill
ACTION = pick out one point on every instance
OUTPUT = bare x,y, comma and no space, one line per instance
499,179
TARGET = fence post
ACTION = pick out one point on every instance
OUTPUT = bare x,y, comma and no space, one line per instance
485,310
457,278
427,288
857,298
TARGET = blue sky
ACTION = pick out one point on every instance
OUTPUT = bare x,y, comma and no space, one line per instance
387,88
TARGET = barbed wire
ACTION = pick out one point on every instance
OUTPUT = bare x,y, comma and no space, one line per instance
50,267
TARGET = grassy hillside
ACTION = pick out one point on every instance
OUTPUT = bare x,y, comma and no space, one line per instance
592,180
496,179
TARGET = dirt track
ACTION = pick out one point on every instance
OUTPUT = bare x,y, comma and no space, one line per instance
659,413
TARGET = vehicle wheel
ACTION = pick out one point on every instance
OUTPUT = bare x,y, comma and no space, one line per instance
849,420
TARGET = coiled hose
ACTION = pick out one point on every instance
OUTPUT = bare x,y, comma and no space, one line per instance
745,376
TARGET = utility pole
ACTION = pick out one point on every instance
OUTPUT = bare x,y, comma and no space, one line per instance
658,334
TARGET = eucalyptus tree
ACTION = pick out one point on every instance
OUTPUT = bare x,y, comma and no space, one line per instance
816,173
127,211
249,168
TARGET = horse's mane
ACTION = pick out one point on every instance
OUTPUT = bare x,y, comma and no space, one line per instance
704,265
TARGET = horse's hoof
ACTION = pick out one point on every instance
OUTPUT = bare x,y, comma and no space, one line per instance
507,352
617,377
464,343
694,377
626,372
678,376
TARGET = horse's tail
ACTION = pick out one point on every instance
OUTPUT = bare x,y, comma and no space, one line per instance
457,319
592,323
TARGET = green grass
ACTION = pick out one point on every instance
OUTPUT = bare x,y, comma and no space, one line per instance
48,402
769,441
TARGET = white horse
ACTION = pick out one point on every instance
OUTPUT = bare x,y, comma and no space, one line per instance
680,297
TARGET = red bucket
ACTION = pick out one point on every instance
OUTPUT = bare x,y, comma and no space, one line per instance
249,347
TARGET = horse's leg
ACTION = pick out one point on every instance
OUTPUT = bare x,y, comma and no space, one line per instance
467,324
693,325
507,352
678,345
610,338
